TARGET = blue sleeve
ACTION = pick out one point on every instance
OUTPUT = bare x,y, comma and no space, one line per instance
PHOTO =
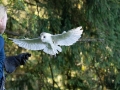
2,57
1,43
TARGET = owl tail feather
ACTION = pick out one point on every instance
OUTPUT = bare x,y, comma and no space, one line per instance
53,50
58,49
48,51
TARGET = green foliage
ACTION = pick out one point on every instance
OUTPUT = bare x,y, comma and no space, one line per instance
90,64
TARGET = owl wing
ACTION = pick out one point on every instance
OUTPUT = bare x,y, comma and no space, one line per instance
30,44
67,38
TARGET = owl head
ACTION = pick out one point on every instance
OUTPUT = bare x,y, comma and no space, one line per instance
45,37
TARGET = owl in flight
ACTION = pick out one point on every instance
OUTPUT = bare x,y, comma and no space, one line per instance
49,43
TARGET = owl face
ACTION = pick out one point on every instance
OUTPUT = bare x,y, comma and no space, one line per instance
45,37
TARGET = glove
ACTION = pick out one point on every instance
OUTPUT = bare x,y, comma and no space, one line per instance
22,58
12,62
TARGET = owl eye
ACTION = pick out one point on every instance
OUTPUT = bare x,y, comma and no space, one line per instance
44,37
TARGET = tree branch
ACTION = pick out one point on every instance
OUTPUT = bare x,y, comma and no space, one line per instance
54,82
91,40
52,75
12,33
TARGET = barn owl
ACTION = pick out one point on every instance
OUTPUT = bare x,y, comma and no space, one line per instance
49,43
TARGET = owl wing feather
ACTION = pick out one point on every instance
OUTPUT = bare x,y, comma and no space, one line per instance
30,44
67,38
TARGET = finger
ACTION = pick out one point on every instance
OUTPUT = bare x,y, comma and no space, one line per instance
28,54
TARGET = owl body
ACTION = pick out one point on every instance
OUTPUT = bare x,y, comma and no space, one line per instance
51,47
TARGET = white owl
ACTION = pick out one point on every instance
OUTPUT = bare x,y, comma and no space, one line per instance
49,43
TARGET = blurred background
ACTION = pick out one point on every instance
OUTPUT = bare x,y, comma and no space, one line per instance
93,63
